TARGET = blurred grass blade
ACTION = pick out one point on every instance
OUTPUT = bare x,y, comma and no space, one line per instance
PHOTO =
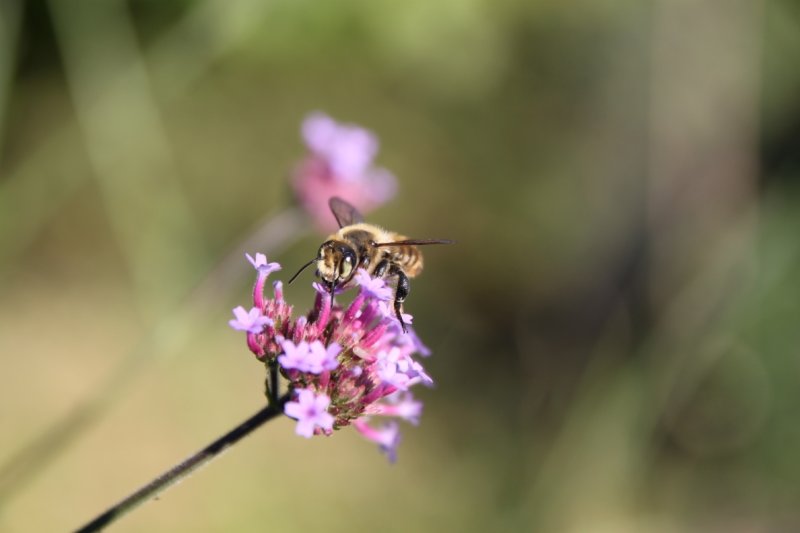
128,148
10,17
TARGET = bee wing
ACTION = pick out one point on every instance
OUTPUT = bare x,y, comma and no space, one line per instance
345,213
416,242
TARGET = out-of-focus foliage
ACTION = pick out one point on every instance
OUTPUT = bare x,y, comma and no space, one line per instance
615,335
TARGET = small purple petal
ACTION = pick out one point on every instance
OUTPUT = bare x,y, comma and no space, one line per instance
251,321
311,411
322,289
321,359
313,358
260,263
375,287
294,356
387,438
277,290
403,405
388,311
416,371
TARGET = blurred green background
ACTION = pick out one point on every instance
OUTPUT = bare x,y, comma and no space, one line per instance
615,335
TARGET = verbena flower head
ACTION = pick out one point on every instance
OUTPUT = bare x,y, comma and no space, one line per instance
340,163
344,363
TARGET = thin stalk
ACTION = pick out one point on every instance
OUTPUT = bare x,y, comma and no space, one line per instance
272,388
185,467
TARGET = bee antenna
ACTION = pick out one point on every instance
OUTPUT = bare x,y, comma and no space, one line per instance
301,269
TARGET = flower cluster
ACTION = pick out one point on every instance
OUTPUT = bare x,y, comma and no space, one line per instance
339,164
344,364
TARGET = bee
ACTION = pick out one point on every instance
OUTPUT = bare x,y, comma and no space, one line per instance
357,244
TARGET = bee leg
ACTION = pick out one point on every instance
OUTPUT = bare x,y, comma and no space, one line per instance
403,286
380,269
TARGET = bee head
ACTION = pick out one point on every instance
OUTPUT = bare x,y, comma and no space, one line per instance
336,262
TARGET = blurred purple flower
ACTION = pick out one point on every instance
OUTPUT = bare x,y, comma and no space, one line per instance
396,368
387,438
400,404
348,149
340,163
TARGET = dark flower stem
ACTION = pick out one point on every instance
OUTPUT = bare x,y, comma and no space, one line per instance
272,386
186,467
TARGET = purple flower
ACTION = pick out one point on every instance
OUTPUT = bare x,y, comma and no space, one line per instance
343,363
313,358
251,321
321,358
410,411
294,357
264,270
260,264
311,411
387,438
348,149
340,164
402,405
386,367
418,373
375,287
396,368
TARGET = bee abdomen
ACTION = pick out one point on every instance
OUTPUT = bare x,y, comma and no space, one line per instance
409,258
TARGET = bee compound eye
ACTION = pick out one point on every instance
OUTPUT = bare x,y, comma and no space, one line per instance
346,267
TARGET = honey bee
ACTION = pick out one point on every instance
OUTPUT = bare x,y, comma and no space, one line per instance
383,254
